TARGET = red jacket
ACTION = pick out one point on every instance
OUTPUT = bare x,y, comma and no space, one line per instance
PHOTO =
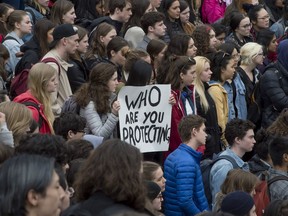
27,96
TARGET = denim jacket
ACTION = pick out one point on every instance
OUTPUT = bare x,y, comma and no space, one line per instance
240,100
220,169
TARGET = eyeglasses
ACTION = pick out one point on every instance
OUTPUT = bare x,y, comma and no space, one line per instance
246,26
264,18
70,191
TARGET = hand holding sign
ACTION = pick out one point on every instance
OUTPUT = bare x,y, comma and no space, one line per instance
115,107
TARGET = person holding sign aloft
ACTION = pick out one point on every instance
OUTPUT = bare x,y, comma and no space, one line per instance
97,101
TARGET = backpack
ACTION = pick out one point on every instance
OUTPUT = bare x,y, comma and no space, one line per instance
206,166
70,105
262,197
19,82
32,104
10,38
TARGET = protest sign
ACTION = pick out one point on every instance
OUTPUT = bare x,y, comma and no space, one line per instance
145,116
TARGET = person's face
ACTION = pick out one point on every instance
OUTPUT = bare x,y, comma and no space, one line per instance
155,3
273,45
236,56
228,72
100,8
279,3
252,212
113,83
157,202
213,39
126,13
174,10
159,178
83,45
200,135
25,26
192,49
72,43
258,59
262,19
189,77
160,55
244,27
52,84
50,35
159,29
69,17
65,201
185,15
43,3
246,144
50,203
119,57
205,76
107,38
220,40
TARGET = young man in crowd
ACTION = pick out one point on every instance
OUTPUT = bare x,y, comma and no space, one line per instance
184,194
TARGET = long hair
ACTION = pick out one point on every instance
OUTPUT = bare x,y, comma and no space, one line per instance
82,32
97,47
38,78
4,8
35,4
198,84
113,168
18,176
149,169
40,33
4,55
96,89
280,126
60,8
140,74
18,118
202,39
15,17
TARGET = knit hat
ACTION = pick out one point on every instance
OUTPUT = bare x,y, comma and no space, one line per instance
237,203
153,190
61,31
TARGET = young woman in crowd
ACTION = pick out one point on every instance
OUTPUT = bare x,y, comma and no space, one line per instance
5,11
63,12
133,32
153,172
276,207
19,25
18,119
240,30
275,9
156,50
4,56
97,101
155,197
171,9
206,107
268,40
79,73
205,40
223,67
42,81
100,39
180,74
188,27
37,46
29,186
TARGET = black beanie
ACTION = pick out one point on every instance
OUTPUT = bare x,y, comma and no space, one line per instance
153,190
237,203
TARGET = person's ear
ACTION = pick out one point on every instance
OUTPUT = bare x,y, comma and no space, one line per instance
113,53
285,157
150,29
101,38
70,134
33,198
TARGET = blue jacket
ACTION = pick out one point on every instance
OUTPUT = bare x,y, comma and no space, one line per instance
184,193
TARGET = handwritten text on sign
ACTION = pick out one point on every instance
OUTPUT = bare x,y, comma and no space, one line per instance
145,117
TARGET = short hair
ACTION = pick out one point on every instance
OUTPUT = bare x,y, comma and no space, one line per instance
248,52
103,171
68,121
261,146
220,60
47,145
149,168
187,124
120,4
19,175
253,12
79,148
278,147
237,128
150,19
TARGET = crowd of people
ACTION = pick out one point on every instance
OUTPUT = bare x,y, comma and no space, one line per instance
62,65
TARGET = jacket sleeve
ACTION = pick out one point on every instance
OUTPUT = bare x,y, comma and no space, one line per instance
6,136
95,124
13,47
76,77
272,89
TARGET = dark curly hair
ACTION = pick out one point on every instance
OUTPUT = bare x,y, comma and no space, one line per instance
202,39
113,168
96,89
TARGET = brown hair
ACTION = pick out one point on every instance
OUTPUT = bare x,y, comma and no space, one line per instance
60,8
280,126
15,17
149,169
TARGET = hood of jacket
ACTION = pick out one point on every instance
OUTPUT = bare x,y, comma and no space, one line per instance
32,44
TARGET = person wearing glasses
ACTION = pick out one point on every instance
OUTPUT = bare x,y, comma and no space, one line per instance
240,27
259,18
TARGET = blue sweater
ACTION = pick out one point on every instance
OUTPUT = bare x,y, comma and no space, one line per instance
184,193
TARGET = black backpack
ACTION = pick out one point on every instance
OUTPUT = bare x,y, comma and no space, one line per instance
37,106
206,166
70,105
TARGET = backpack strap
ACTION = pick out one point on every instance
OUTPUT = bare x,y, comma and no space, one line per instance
277,178
10,38
229,158
50,59
32,104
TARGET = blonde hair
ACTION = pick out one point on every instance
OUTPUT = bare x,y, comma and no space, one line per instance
249,51
198,84
18,118
38,79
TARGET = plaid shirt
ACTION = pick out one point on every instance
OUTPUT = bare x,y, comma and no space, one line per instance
278,189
